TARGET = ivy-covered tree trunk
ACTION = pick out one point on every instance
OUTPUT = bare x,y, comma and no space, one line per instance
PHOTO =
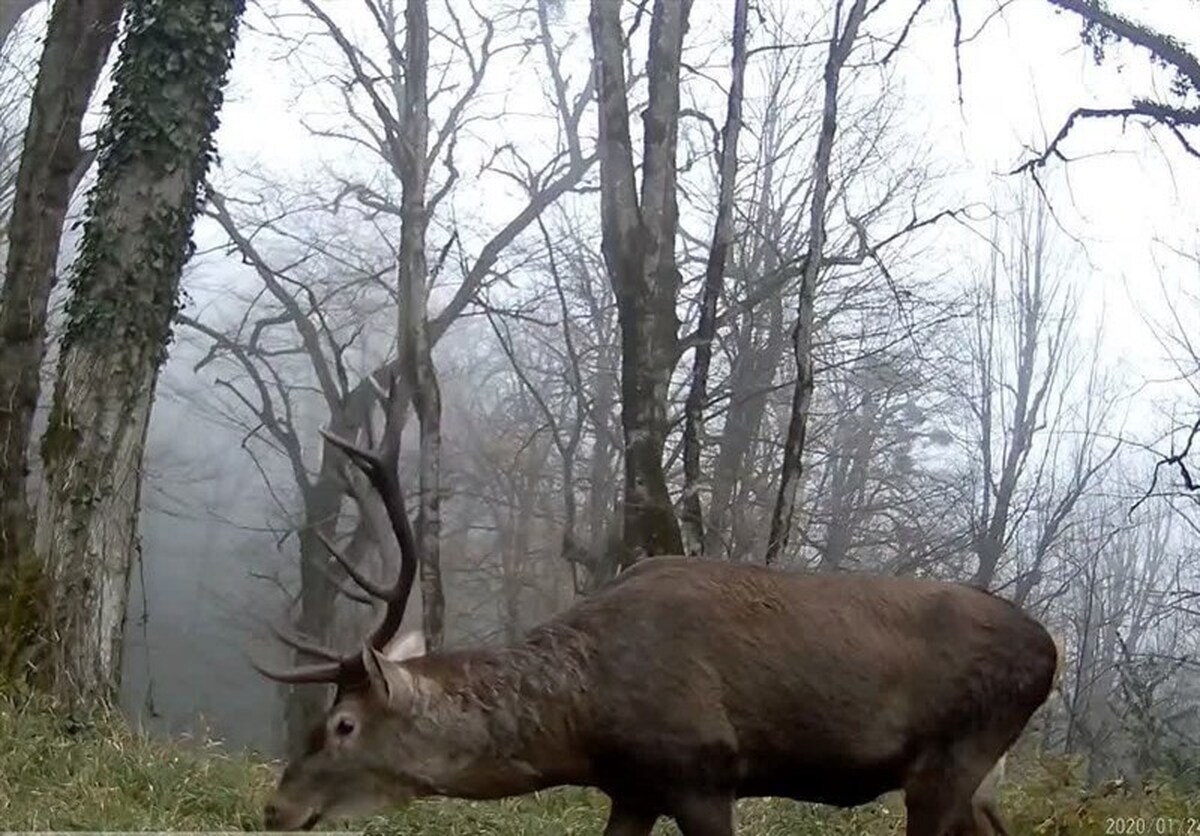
154,151
78,39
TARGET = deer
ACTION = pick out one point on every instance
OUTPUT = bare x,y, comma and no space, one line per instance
676,689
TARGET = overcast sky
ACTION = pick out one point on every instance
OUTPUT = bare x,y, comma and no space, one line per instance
1125,195
1120,196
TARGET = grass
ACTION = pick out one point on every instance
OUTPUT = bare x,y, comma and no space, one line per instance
64,773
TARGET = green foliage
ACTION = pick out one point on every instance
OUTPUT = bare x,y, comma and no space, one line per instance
154,150
61,438
60,771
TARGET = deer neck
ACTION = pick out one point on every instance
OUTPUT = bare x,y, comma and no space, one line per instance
521,709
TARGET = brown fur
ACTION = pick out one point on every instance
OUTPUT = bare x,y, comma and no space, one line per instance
687,684
988,820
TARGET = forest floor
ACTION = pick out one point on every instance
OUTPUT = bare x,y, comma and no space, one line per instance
63,773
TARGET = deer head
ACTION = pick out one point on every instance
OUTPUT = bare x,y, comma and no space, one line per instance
379,744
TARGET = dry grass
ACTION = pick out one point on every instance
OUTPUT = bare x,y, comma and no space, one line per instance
59,772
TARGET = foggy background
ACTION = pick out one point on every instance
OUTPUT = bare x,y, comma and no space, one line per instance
1103,264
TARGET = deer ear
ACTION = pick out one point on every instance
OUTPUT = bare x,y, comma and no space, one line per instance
391,682
405,646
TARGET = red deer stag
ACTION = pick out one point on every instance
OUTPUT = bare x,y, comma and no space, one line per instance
680,687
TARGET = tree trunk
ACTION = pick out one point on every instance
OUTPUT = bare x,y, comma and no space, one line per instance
415,345
692,516
1037,336
638,243
754,365
751,377
428,403
322,503
802,335
154,151
603,525
848,465
78,41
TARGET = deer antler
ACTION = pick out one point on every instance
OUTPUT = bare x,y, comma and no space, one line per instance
379,464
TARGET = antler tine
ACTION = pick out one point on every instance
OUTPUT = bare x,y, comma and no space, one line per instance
302,643
325,672
388,487
367,460
384,395
366,584
343,588
379,465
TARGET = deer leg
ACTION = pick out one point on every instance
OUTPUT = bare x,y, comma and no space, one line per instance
711,816
625,819
933,811
941,795
988,819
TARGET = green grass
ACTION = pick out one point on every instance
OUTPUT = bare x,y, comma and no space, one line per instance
58,772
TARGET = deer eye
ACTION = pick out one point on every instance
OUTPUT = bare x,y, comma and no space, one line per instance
344,727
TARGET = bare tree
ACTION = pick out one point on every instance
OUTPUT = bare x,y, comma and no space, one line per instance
769,241
412,163
1023,368
300,317
840,45
406,147
639,251
1173,333
1123,623
298,232
692,516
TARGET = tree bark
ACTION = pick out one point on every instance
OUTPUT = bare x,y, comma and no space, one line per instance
415,344
78,40
848,466
754,365
154,151
638,243
802,335
692,516
751,377
304,706
428,403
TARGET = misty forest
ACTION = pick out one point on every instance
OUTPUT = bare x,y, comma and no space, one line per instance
505,298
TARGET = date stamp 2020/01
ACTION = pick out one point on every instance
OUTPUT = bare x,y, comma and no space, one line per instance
1152,826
